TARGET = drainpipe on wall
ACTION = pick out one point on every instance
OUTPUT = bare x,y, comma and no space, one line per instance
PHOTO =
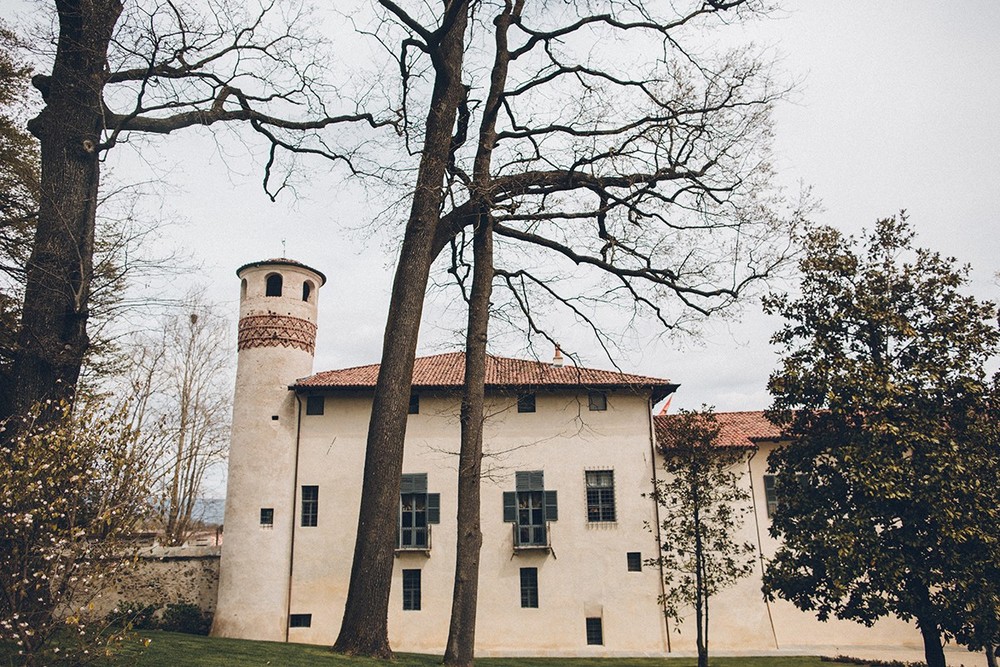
656,510
760,545
295,486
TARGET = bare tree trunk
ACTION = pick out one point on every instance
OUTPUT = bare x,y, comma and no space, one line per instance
699,586
364,629
462,630
53,337
991,656
174,532
461,646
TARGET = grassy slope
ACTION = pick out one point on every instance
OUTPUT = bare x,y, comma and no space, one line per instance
170,650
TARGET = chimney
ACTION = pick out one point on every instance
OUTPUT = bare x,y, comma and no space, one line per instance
557,359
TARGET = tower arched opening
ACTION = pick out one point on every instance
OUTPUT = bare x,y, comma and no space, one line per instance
273,285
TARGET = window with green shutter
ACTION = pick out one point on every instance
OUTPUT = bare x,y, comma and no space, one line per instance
770,495
417,511
530,507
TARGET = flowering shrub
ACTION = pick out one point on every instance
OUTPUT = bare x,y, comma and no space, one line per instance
71,489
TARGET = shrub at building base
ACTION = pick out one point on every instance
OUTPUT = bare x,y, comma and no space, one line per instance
183,617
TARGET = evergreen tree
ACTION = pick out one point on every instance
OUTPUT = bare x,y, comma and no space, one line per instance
888,496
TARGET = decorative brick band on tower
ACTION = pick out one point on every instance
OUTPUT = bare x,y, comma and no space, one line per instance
276,331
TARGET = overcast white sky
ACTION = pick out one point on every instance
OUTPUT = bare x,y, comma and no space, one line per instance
898,108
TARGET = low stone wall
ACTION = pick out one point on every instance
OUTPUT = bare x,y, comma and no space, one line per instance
165,575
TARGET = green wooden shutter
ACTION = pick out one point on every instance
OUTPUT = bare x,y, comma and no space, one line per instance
537,480
551,506
522,481
510,506
529,480
413,482
420,482
433,508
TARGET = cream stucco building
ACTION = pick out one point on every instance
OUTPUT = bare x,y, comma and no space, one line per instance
570,453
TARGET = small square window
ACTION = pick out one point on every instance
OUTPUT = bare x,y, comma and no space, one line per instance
315,405
529,587
300,620
414,404
634,559
267,517
411,590
595,631
597,401
526,403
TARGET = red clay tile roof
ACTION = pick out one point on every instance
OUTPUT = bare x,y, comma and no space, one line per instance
448,370
736,429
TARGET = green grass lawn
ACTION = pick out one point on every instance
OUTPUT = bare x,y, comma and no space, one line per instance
168,649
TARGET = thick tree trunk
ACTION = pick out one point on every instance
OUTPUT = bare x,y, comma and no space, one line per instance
460,649
364,630
991,656
933,649
462,630
52,340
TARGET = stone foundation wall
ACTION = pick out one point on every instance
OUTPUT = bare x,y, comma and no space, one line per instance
165,575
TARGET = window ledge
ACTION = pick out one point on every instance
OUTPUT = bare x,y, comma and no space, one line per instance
423,551
533,549
606,525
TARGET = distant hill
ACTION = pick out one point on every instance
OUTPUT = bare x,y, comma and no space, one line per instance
210,511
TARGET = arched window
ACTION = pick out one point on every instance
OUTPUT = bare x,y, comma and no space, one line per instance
243,288
306,290
273,285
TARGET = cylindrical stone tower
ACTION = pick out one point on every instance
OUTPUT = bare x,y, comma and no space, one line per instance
277,337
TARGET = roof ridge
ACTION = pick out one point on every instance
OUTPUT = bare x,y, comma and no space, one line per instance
724,412
447,370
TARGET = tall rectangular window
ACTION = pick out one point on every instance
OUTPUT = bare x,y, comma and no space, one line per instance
411,590
770,495
310,505
417,511
600,495
315,405
267,517
414,408
529,587
595,631
530,507
526,403
634,561
597,401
